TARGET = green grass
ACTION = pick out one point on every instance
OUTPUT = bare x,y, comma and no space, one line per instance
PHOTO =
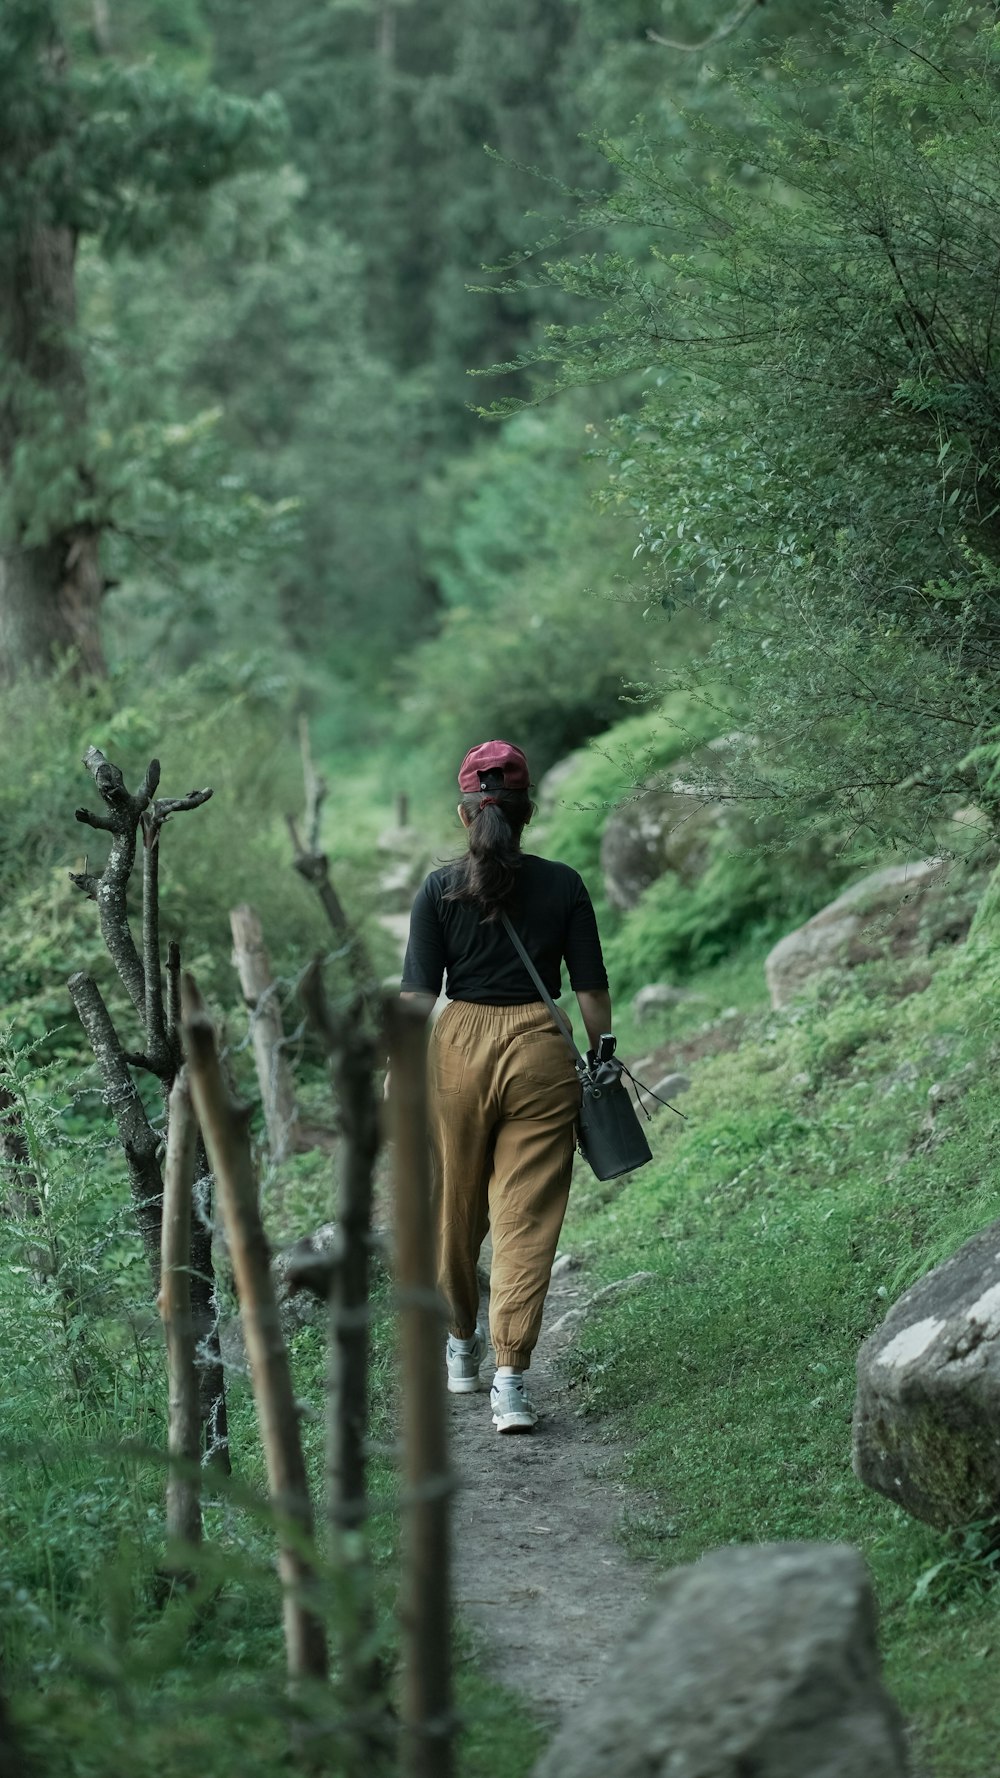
104,1677
806,1191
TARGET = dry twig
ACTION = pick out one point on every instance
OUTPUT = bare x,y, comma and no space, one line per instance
717,36
312,864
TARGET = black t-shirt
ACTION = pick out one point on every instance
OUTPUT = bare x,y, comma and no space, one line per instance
552,915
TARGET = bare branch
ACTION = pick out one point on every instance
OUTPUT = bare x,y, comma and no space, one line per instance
717,36
136,1134
86,881
156,1028
147,789
109,888
165,806
314,867
173,991
103,823
315,786
160,1056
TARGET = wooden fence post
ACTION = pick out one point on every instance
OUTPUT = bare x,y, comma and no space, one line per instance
351,1052
184,1419
224,1128
266,1031
425,1609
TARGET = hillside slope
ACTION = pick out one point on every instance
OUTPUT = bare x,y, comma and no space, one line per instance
837,1153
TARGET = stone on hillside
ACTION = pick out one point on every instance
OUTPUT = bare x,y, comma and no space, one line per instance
927,1413
667,1087
880,913
622,1287
554,781
759,1660
298,1272
668,825
656,996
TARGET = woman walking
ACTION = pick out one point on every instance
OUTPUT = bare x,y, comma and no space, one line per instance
504,1094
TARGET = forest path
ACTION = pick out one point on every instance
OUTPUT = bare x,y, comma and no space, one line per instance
537,1570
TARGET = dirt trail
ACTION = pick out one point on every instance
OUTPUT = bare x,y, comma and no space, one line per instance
537,1570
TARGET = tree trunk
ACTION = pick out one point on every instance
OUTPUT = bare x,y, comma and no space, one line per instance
50,591
49,603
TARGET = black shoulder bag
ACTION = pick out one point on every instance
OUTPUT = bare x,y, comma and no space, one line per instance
610,1135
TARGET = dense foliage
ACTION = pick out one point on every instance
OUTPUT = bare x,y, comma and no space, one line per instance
252,256
814,463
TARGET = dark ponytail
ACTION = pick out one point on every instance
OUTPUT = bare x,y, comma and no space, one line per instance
488,872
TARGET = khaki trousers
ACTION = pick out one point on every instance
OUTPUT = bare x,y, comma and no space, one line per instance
504,1099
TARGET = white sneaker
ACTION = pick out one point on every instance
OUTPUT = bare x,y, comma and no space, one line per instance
512,1405
463,1367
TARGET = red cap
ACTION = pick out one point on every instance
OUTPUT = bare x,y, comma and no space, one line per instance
494,756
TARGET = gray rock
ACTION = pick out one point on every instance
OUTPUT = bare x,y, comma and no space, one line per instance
621,1287
567,1323
757,1660
667,1088
658,831
881,912
927,1411
570,1320
563,1263
555,780
667,825
300,1276
658,995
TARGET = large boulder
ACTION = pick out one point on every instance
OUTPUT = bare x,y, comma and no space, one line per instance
553,782
927,1412
881,913
667,825
758,1660
659,997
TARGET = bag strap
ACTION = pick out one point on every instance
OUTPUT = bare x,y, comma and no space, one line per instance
564,1034
546,996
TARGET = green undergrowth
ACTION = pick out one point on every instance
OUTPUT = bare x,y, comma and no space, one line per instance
612,768
738,882
225,724
105,1672
817,1177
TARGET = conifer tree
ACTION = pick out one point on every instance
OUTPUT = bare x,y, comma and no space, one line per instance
123,155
